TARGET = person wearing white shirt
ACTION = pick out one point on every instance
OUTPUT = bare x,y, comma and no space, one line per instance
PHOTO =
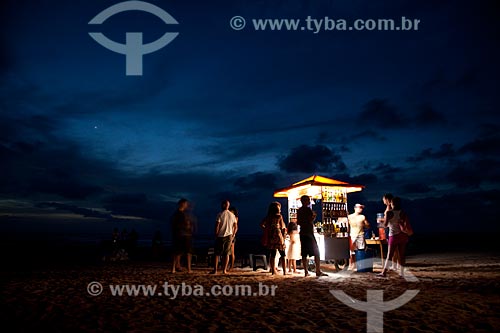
225,229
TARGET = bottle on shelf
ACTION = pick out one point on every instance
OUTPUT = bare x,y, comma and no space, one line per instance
346,231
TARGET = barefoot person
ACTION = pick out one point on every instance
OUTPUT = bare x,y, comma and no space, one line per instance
397,238
232,257
182,232
275,230
225,229
357,226
293,250
387,199
308,245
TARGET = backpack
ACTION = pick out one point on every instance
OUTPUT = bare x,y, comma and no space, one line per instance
404,224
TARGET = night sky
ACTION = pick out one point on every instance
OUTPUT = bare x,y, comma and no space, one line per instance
220,113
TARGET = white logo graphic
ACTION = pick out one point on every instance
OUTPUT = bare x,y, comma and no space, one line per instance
375,305
94,288
133,49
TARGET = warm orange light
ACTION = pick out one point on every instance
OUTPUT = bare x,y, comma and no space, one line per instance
313,187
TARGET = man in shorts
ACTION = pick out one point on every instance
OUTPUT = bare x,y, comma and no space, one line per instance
225,230
308,245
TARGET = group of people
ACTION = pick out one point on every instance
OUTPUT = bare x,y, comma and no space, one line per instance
293,242
274,237
121,246
398,225
399,229
225,233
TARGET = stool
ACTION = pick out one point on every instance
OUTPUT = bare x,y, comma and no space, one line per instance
255,257
210,256
245,261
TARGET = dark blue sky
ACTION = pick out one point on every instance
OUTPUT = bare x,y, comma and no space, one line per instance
224,113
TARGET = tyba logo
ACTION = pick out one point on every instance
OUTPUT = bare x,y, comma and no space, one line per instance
375,306
133,49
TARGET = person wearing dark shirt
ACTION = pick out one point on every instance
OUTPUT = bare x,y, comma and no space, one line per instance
182,232
308,245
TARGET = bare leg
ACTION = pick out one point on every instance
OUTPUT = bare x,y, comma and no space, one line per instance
216,263
271,267
352,262
402,258
272,262
283,264
395,259
178,263
304,264
224,263
317,260
294,265
232,256
175,263
189,262
390,254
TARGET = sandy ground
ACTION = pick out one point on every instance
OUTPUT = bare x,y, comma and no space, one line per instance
457,293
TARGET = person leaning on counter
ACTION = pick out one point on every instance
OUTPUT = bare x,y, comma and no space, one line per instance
357,226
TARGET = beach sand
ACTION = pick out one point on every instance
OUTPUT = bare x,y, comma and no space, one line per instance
457,293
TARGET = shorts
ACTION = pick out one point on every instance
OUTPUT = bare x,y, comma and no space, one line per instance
274,252
400,238
358,243
182,244
308,245
223,246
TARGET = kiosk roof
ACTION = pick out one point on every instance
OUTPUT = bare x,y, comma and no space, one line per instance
318,181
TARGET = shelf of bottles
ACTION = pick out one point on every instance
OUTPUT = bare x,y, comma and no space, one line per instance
293,206
334,211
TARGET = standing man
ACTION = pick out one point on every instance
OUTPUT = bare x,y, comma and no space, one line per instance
182,235
226,226
357,226
308,245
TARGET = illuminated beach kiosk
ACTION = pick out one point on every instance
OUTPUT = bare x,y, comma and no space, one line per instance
329,202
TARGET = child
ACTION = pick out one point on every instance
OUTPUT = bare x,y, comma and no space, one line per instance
294,249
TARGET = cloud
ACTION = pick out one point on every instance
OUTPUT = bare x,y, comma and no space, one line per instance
311,159
483,146
85,212
486,145
138,205
450,217
488,130
66,187
34,161
427,116
384,168
258,180
363,179
445,151
230,151
378,112
416,188
443,83
54,168
473,173
368,135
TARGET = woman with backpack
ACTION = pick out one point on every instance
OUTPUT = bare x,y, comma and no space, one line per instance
399,230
